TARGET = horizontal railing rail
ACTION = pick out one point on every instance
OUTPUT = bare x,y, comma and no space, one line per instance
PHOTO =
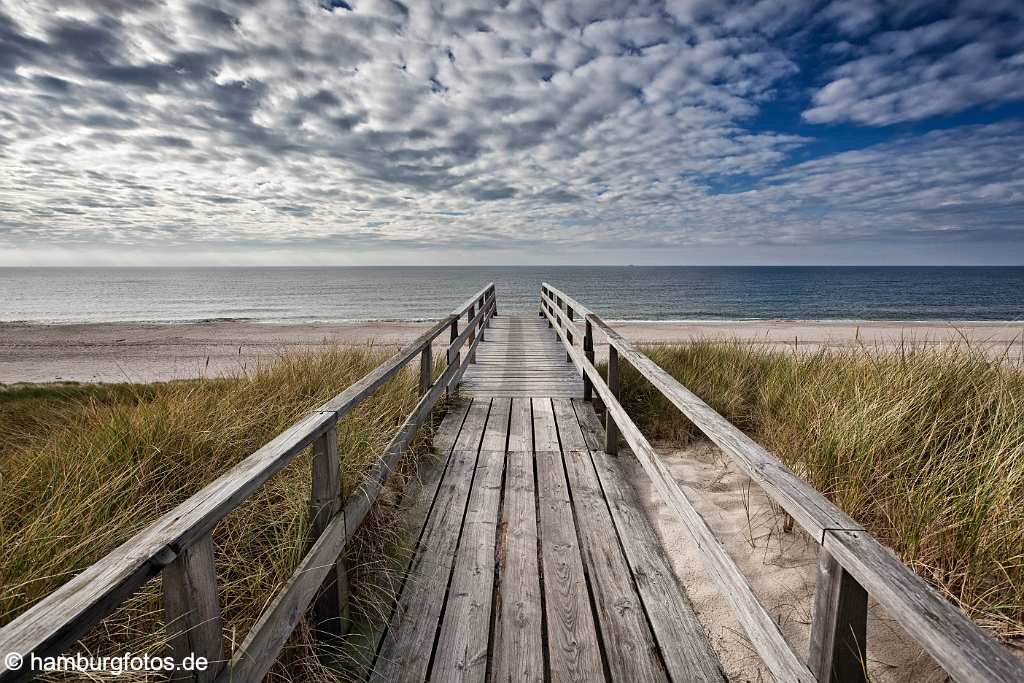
852,564
179,544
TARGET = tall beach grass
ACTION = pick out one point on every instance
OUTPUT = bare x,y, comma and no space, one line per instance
84,468
923,446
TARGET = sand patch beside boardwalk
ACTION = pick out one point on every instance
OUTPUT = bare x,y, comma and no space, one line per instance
148,352
780,567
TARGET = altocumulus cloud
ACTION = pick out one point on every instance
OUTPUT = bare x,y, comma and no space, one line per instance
378,124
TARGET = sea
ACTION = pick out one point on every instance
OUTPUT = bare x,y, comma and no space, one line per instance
345,294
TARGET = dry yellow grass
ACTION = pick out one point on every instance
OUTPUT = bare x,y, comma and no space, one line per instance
83,469
925,447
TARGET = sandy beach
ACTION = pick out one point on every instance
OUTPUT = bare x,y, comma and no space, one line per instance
142,352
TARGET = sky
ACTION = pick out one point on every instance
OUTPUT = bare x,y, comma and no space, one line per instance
370,132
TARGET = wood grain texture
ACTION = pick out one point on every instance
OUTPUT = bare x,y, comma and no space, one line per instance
574,649
404,652
461,650
192,610
838,647
521,358
628,642
518,647
331,606
685,649
947,634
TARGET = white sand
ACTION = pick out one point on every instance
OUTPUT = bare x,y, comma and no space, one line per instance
779,566
119,352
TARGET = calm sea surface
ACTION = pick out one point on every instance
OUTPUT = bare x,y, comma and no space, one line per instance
63,295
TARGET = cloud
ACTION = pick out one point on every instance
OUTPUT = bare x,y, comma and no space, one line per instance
961,56
606,122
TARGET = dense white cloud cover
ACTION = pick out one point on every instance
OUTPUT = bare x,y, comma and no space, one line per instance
372,124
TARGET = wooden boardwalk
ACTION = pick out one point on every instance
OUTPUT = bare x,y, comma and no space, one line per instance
521,356
534,561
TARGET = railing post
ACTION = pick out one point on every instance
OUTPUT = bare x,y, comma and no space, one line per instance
472,333
611,430
568,333
448,353
192,611
494,295
839,628
484,320
588,351
426,367
330,607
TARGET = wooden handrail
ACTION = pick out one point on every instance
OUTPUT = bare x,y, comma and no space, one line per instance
53,624
854,564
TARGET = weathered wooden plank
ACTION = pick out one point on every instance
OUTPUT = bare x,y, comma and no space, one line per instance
496,433
192,611
520,426
518,649
331,606
838,650
545,433
404,653
573,646
461,650
947,634
448,431
574,649
611,432
426,368
685,649
590,425
628,642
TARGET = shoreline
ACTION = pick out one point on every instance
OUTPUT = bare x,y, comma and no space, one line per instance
149,352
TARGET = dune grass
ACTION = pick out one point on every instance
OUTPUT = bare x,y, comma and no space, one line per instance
923,446
84,468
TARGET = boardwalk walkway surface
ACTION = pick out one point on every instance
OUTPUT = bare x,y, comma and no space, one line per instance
535,561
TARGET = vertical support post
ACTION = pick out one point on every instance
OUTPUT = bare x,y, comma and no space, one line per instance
839,628
330,607
472,333
448,354
611,430
426,367
192,611
588,351
494,296
568,332
485,320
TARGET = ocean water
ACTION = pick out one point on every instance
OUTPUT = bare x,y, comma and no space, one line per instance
67,295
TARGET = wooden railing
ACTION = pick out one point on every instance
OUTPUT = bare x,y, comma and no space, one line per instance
179,544
852,564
